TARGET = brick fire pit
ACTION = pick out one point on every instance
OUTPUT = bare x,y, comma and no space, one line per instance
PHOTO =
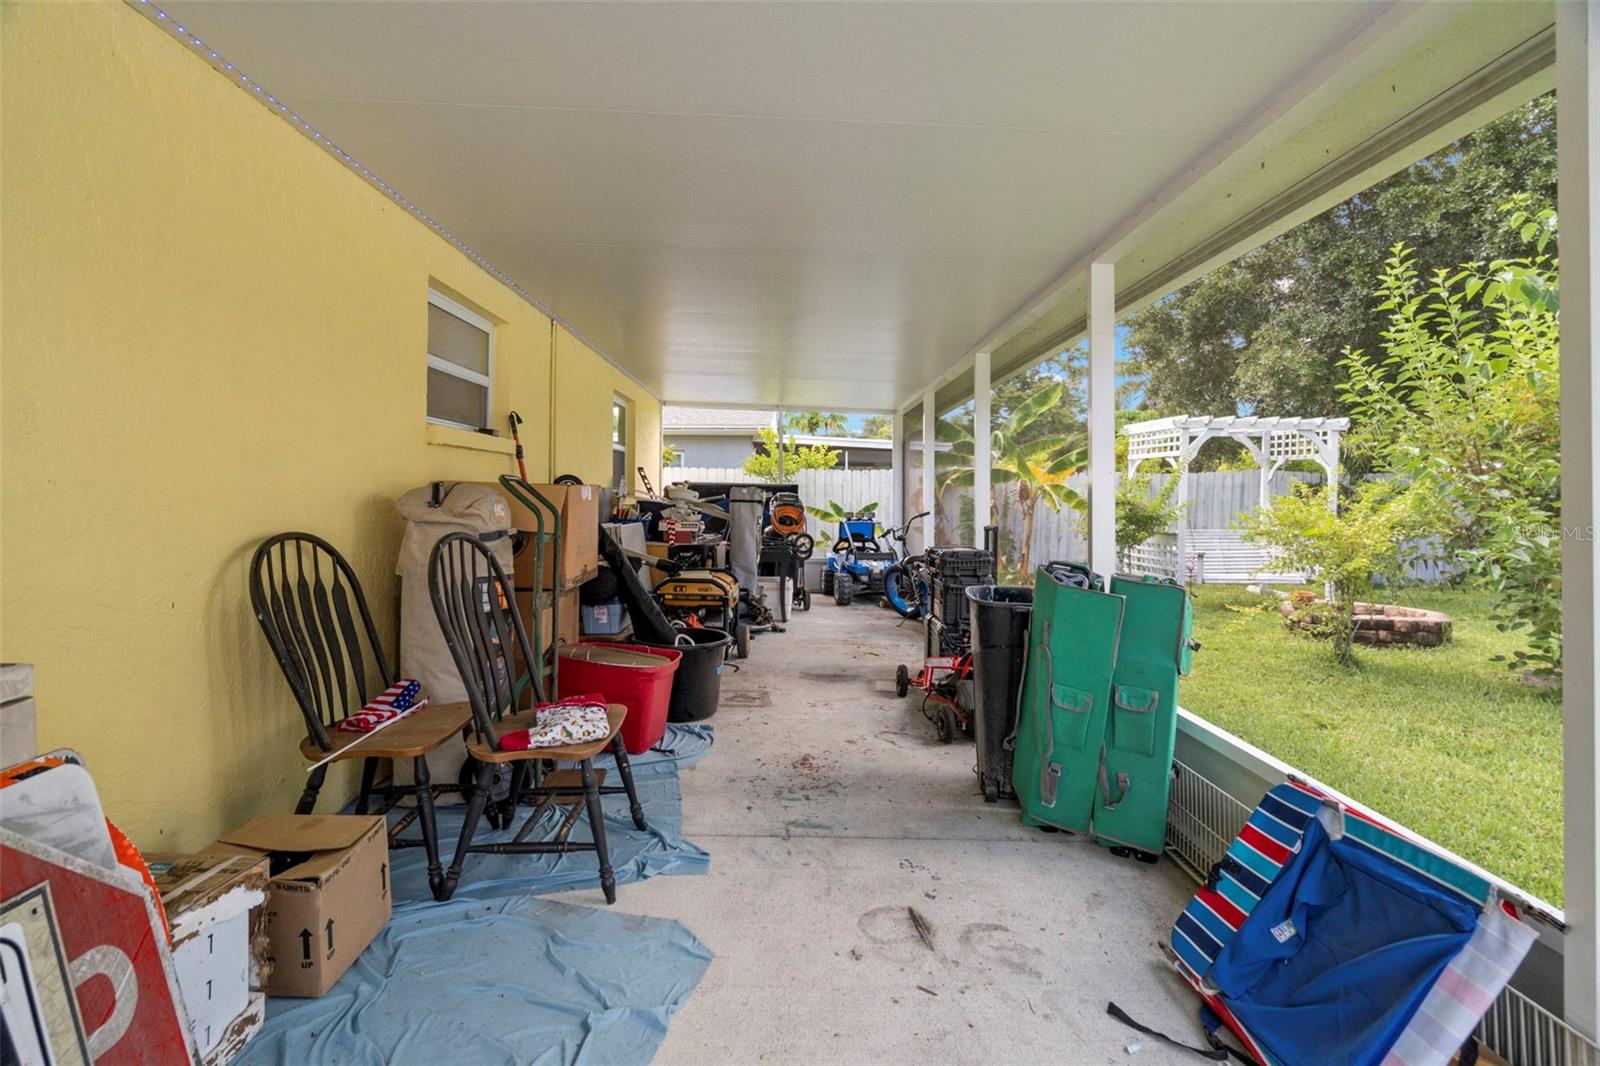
1379,623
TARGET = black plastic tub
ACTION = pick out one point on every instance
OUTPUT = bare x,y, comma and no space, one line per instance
697,685
1000,618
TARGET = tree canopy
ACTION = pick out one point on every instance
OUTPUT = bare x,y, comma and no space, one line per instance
1265,333
817,423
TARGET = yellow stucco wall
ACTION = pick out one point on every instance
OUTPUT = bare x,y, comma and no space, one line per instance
210,331
584,387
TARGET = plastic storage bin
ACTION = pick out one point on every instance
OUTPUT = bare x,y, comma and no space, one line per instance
604,619
634,675
951,572
1000,617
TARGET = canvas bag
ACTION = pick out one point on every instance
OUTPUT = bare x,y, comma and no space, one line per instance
431,512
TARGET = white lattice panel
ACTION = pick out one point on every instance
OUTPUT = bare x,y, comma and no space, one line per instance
1165,444
1282,447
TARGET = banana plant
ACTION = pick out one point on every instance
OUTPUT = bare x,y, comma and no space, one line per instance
1034,470
835,513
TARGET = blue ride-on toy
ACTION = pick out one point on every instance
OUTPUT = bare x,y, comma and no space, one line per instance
857,563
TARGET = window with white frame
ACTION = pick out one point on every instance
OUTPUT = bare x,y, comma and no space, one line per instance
619,444
460,364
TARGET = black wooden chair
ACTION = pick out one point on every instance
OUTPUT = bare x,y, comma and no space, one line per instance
315,617
472,599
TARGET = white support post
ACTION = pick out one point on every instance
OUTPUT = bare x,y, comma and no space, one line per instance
930,491
1578,199
1264,466
897,468
982,461
1181,500
1103,419
1331,461
780,444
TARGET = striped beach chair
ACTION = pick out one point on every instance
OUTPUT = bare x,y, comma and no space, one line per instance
1325,935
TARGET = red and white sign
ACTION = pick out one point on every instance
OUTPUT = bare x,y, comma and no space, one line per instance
115,949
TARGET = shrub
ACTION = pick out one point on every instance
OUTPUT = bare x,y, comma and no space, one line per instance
764,464
1464,404
1367,539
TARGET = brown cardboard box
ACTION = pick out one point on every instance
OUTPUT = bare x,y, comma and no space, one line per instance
656,549
579,506
328,897
18,738
569,617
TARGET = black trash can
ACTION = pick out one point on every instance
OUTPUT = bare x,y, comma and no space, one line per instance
697,685
1000,617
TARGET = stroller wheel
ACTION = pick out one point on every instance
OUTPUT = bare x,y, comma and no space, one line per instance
802,598
902,680
803,545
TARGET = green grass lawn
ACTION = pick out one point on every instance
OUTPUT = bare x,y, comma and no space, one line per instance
1442,740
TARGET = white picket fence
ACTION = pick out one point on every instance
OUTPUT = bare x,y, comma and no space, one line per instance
850,488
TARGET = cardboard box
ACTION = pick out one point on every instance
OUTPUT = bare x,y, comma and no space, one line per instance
579,546
656,549
19,740
215,908
570,611
328,895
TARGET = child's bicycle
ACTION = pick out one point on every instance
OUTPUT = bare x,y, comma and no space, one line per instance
905,583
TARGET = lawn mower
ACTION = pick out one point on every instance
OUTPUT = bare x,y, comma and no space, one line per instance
946,683
946,677
694,595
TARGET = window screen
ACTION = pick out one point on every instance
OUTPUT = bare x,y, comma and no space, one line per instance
460,362
619,444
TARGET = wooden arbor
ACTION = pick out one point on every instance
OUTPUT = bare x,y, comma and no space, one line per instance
1222,554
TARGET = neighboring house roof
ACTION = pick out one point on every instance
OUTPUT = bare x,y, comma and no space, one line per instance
715,420
844,442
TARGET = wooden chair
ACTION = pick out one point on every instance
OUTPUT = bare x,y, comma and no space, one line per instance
315,617
472,599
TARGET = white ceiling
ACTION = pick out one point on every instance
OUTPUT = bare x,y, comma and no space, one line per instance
780,203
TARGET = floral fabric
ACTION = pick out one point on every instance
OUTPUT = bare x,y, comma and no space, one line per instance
574,720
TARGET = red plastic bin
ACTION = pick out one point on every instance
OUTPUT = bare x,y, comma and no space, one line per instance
644,689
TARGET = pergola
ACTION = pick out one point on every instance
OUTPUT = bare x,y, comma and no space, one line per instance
1271,441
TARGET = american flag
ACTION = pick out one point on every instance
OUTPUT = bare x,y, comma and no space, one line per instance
396,701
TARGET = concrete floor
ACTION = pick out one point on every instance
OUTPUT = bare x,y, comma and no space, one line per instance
829,809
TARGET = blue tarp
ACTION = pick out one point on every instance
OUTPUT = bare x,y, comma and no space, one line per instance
495,981
497,976
1343,934
635,855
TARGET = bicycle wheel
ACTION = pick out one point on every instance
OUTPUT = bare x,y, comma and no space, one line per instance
901,592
